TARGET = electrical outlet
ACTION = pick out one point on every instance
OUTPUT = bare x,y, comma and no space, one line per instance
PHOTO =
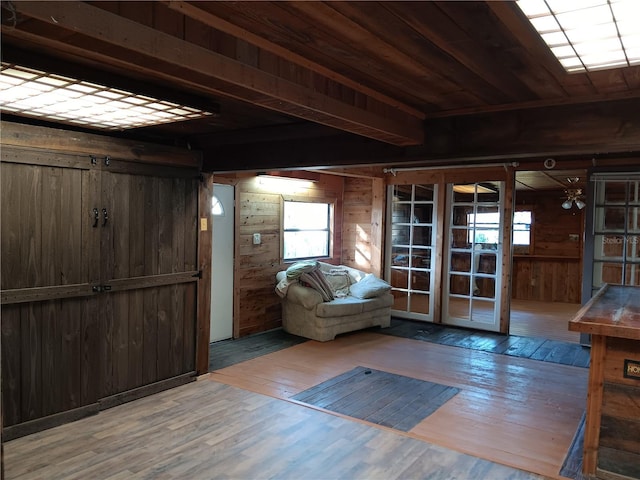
256,239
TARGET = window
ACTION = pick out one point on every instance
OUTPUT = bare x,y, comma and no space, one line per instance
522,228
307,230
484,227
216,207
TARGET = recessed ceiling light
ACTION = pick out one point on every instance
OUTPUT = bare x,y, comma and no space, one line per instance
33,93
587,35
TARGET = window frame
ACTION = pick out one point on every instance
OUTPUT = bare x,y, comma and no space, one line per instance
524,249
331,229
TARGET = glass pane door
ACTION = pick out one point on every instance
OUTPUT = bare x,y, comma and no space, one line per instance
616,257
410,243
474,252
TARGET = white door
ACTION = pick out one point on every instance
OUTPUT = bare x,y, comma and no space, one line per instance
474,253
222,263
410,249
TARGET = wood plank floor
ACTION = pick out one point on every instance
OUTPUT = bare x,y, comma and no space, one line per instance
514,411
206,430
543,320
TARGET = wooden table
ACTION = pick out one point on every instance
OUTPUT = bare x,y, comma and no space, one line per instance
612,430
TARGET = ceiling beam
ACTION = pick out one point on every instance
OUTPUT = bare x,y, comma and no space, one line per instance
587,131
273,133
155,53
584,129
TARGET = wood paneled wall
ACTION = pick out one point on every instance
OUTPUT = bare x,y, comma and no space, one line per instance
258,210
363,224
619,450
551,271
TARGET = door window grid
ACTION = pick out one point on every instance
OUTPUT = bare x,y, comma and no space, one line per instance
475,246
412,243
616,233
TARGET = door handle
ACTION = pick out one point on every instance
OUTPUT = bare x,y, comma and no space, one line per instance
96,217
105,216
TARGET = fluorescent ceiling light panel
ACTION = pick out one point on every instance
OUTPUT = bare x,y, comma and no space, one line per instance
588,35
32,93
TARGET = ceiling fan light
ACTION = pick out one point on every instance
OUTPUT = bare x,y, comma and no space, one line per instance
579,203
566,204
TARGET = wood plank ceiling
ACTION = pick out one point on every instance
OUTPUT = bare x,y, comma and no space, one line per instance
402,73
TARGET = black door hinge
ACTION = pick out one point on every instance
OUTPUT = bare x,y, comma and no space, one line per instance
197,275
101,288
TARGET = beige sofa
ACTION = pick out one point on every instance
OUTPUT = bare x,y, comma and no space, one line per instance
304,312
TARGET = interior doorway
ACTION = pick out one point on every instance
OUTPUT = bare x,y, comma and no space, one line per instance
548,255
222,258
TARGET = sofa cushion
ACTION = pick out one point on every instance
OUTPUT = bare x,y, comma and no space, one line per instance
350,305
339,307
376,303
369,287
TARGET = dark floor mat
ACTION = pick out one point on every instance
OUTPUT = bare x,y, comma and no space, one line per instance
524,347
229,352
378,397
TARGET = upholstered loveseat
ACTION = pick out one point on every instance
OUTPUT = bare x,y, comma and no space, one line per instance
363,302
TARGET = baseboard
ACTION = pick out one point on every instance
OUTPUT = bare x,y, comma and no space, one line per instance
33,426
145,391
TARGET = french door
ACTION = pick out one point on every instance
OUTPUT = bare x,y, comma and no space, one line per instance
473,254
616,231
411,241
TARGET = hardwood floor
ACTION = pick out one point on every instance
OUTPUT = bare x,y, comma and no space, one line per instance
543,320
514,411
511,415
206,430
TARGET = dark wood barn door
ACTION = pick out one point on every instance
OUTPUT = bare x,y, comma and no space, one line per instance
148,266
49,264
99,283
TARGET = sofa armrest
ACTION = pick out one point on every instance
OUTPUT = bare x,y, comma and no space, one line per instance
305,296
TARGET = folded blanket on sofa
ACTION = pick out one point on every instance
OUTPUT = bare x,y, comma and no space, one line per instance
297,269
308,273
317,281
